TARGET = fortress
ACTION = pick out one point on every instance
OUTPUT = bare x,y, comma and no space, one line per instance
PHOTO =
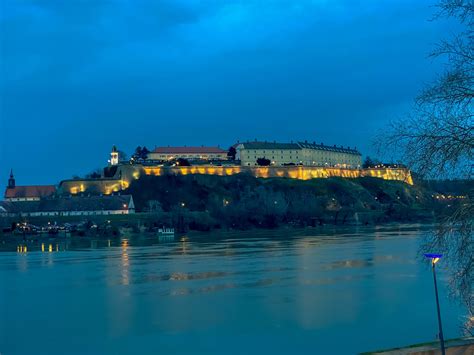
300,160
124,174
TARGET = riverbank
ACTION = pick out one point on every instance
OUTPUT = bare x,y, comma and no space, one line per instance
242,202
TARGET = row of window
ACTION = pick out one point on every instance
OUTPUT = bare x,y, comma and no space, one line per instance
191,156
273,157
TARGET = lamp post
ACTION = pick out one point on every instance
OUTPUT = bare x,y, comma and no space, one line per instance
434,259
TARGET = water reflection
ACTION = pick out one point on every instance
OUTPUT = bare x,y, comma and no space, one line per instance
277,291
125,263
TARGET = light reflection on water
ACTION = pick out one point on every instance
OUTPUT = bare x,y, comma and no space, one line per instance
285,291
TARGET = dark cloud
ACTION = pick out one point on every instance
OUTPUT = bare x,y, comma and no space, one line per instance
78,76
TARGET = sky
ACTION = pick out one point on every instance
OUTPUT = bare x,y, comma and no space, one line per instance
78,76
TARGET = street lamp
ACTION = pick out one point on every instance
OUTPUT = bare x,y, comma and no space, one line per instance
434,259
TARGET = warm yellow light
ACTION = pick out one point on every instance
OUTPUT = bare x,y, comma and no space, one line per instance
435,260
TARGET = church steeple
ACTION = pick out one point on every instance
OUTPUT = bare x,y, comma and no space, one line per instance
114,156
11,181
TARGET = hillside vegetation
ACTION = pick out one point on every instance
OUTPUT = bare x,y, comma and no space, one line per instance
240,201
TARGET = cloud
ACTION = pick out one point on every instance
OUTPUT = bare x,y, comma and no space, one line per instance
203,72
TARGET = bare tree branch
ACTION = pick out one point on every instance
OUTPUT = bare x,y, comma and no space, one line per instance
437,140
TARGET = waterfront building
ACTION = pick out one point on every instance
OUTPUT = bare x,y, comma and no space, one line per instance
26,192
299,153
189,153
69,206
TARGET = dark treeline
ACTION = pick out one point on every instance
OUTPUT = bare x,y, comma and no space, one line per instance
203,202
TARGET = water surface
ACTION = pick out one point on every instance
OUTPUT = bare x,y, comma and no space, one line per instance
335,291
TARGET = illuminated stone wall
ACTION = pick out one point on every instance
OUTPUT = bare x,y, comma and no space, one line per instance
293,172
127,173
93,186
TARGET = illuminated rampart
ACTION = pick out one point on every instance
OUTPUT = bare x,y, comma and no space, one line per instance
127,173
292,172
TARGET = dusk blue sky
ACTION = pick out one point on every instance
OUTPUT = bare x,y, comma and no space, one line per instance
78,76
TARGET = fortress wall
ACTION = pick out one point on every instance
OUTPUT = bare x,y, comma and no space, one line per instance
127,173
92,186
292,172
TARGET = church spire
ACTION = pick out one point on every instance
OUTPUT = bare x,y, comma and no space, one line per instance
11,180
114,156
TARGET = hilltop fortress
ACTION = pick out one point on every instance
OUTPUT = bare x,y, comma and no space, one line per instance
300,160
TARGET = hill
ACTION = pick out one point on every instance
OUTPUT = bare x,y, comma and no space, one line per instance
241,201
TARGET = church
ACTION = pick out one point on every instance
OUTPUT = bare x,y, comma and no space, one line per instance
26,192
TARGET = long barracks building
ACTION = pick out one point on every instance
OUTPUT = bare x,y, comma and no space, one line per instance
299,153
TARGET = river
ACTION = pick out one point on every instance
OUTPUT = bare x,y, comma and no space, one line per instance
314,291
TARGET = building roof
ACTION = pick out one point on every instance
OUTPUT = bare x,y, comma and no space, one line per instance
68,204
30,191
298,145
189,150
269,145
334,148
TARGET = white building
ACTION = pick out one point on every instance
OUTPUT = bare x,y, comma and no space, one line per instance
70,206
299,153
189,153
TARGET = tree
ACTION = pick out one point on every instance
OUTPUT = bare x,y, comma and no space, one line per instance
144,153
263,161
368,162
93,175
154,206
437,140
182,162
137,154
231,153
140,153
122,156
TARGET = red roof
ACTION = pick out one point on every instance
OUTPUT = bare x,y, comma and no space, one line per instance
189,150
30,191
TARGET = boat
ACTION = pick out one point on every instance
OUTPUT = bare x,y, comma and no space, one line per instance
165,232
